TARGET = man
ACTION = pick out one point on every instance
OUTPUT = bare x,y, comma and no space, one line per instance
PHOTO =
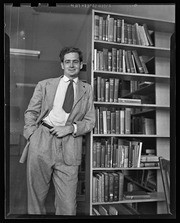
54,135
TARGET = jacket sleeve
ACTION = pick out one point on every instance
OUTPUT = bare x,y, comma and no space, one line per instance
88,122
33,111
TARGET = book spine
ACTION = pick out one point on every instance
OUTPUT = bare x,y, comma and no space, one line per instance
102,154
111,89
115,30
111,186
128,70
138,62
129,33
109,61
143,65
105,59
148,35
94,154
102,90
118,30
116,89
100,28
96,27
98,157
110,29
114,59
104,29
127,120
121,185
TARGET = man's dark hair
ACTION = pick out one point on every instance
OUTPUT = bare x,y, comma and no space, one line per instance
66,50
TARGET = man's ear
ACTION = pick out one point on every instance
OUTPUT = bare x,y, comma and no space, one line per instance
62,65
81,65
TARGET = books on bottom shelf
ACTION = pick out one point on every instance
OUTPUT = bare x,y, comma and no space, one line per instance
120,209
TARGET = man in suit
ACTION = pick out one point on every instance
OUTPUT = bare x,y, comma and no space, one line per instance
54,135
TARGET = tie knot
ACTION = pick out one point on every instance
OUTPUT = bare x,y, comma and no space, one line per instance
71,81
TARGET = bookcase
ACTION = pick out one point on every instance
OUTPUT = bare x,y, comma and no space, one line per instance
130,76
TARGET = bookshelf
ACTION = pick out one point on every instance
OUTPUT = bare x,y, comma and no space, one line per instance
109,35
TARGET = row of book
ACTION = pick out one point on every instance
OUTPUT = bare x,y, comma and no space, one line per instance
121,209
120,121
118,30
111,89
119,60
107,187
108,153
115,186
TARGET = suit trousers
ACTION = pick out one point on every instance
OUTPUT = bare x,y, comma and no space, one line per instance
45,163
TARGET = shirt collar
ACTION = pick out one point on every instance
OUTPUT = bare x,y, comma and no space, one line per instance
66,79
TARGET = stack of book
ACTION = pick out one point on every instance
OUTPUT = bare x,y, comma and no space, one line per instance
118,30
117,153
119,60
107,186
111,90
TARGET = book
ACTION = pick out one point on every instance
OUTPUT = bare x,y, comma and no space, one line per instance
94,154
96,27
148,34
98,88
102,89
129,34
131,64
143,64
129,100
111,187
148,126
111,89
138,62
116,187
112,210
94,189
102,158
109,61
128,70
102,210
110,29
121,185
98,154
106,190
118,33
105,59
106,90
100,27
114,59
121,120
95,211
137,194
116,89
115,30
127,120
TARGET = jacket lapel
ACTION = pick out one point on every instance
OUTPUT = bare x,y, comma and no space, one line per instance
51,91
80,91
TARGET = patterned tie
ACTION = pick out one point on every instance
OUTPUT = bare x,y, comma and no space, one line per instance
69,98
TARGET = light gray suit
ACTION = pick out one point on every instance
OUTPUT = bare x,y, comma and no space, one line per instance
49,156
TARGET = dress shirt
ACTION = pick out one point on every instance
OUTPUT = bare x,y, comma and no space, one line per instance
57,116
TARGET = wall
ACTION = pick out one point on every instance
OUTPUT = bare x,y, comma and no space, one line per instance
48,29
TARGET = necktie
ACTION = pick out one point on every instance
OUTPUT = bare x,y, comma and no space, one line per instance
69,98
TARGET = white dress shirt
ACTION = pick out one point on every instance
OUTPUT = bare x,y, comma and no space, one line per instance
57,116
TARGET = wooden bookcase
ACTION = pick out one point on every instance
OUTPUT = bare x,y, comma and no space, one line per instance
159,109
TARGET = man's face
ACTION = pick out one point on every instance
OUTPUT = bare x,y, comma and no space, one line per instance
71,65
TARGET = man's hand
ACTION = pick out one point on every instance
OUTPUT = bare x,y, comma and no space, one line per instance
61,131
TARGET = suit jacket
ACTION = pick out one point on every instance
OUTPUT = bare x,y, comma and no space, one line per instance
82,114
